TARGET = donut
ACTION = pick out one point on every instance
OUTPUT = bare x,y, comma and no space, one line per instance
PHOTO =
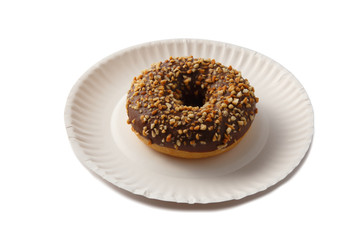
191,107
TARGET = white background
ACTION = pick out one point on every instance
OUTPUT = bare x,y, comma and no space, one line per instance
45,46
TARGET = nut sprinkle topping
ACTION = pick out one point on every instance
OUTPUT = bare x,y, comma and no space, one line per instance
191,104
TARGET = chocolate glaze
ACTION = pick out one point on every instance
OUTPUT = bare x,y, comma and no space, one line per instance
195,102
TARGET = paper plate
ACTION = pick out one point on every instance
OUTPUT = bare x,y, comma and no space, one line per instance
95,119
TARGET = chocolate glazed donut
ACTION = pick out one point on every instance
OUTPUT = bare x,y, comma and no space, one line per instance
191,107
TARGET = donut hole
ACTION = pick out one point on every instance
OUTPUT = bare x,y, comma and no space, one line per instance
194,99
191,93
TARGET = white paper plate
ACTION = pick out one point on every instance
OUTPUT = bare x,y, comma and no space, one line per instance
281,134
